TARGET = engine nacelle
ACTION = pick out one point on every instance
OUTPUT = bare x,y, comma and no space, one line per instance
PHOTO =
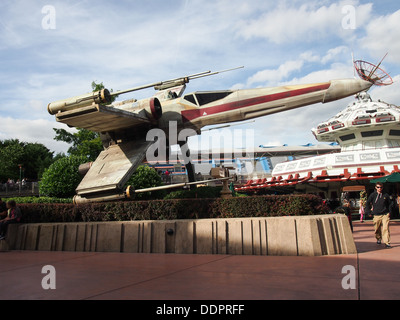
153,109
84,168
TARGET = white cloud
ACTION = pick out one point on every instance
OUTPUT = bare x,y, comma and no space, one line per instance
333,53
33,131
282,74
309,22
389,94
382,36
335,71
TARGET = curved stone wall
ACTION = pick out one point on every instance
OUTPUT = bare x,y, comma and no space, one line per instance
290,236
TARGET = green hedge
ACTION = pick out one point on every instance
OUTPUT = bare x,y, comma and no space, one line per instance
38,200
201,192
256,206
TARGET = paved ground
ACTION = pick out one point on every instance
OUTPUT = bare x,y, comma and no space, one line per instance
108,276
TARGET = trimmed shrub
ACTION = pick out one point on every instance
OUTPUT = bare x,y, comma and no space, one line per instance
50,212
62,177
256,206
146,177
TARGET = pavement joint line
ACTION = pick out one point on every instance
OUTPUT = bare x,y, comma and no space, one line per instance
155,278
283,273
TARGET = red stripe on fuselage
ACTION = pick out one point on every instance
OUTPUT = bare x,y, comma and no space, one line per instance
188,115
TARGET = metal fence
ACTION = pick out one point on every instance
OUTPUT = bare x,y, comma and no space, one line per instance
19,189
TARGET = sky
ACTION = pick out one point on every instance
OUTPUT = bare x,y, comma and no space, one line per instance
52,50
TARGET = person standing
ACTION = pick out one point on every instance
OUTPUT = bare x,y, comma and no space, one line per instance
378,202
398,204
13,216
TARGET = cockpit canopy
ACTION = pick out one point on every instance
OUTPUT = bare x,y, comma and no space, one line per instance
204,97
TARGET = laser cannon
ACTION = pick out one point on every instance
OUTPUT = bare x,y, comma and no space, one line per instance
99,97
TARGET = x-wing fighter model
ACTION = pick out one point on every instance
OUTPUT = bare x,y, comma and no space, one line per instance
124,125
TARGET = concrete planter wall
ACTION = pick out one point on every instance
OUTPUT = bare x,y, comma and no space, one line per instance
291,236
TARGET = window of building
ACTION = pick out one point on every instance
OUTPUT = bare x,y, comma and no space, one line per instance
369,145
394,132
351,147
375,133
347,137
393,143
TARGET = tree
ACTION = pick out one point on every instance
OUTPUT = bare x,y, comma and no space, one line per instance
36,159
62,177
32,157
11,155
84,142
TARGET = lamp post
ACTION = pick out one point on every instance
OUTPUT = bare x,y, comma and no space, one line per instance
20,181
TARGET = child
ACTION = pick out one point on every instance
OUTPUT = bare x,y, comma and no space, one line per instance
363,203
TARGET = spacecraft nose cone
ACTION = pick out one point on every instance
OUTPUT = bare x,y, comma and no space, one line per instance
362,84
345,87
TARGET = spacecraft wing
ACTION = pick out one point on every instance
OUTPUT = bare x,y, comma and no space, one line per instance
100,118
113,168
